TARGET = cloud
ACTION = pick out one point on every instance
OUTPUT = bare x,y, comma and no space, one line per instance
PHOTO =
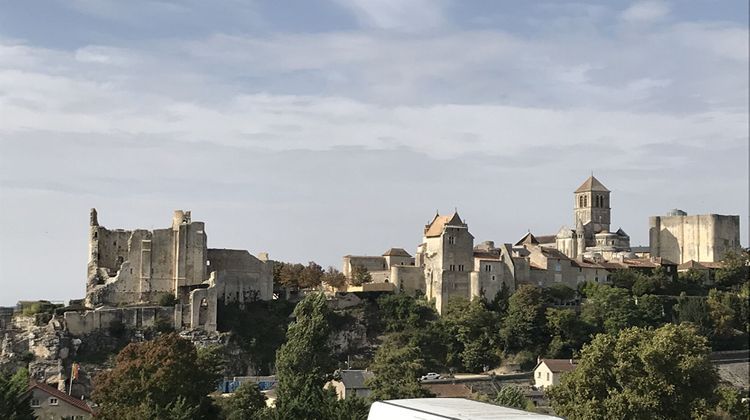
646,11
406,16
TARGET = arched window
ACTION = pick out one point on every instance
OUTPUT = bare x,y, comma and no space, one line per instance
585,201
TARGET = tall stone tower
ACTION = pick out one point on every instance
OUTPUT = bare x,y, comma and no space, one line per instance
592,205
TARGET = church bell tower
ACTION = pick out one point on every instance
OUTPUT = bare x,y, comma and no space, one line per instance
592,205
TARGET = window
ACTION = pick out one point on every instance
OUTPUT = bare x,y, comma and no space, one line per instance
548,376
452,267
558,266
487,267
53,401
493,277
539,374
451,240
35,402
460,267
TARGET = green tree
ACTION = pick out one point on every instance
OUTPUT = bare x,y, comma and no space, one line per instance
334,278
657,282
609,309
639,373
246,403
568,332
694,310
624,278
523,327
511,396
15,402
397,367
155,375
730,405
304,362
474,328
350,408
400,311
650,311
690,282
734,271
560,293
360,275
311,275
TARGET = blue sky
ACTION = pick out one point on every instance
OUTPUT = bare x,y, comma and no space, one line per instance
315,129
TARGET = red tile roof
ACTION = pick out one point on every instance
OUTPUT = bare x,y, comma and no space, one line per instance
54,392
435,228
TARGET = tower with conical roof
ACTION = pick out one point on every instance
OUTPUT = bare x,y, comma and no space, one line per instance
592,205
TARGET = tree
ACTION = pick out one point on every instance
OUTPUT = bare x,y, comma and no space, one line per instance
690,282
650,311
397,367
694,310
623,278
734,271
474,327
304,362
523,327
15,402
154,376
311,275
401,311
568,332
639,373
730,404
560,293
290,274
334,278
360,275
657,282
246,403
511,396
609,309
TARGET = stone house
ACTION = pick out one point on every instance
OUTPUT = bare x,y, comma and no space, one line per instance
379,267
51,404
349,383
549,371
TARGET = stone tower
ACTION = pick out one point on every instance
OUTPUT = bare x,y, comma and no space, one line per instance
592,205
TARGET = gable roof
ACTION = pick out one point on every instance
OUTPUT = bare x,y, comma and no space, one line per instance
559,365
61,396
435,228
592,184
396,252
546,239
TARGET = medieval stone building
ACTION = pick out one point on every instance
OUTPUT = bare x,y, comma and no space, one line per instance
139,268
699,238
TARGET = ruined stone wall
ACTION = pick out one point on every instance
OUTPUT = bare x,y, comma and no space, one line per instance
86,322
241,277
373,264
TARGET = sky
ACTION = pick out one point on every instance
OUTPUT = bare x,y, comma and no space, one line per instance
321,128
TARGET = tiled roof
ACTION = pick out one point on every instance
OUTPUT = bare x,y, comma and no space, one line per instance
699,265
592,184
396,252
546,239
559,365
61,396
586,264
553,253
435,228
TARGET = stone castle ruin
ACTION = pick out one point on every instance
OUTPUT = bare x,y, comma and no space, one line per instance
133,274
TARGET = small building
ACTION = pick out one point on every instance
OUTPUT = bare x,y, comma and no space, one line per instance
549,371
49,403
351,382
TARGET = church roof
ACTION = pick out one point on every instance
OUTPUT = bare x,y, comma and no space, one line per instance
435,228
592,184
396,252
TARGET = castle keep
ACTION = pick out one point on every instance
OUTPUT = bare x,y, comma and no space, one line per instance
136,270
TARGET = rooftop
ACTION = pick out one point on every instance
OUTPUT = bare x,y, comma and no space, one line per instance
592,184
